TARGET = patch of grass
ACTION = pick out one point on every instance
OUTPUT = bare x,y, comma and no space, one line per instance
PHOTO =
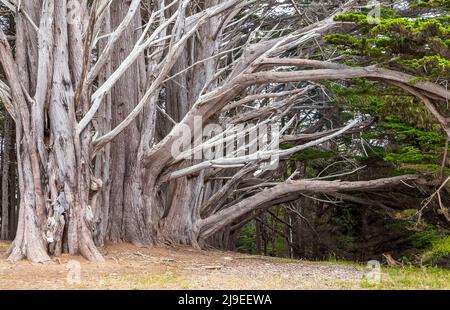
4,247
331,259
334,260
166,281
344,285
439,249
339,263
145,281
412,278
159,279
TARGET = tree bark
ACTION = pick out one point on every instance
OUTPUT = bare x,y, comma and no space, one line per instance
58,211
125,93
6,151
178,224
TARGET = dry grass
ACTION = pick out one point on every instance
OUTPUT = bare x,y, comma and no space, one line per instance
128,267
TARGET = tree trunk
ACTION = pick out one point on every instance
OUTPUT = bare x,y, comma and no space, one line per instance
54,172
14,195
258,237
102,160
124,95
179,224
7,146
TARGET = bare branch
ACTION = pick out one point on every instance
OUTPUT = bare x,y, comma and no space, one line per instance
227,216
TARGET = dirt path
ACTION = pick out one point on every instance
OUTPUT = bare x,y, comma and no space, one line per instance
129,267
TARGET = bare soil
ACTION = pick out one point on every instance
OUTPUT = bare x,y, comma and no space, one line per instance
130,267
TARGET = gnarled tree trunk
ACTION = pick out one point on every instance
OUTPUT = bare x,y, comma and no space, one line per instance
54,164
5,231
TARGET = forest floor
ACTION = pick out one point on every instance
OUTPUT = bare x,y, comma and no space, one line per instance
130,267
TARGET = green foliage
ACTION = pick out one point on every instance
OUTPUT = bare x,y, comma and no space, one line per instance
419,27
406,130
311,154
445,4
346,222
414,139
380,101
343,39
279,246
358,18
408,154
412,278
439,249
246,243
433,66
418,140
428,169
424,239
416,149
416,45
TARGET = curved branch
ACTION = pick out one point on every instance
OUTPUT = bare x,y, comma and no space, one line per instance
217,221
345,73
